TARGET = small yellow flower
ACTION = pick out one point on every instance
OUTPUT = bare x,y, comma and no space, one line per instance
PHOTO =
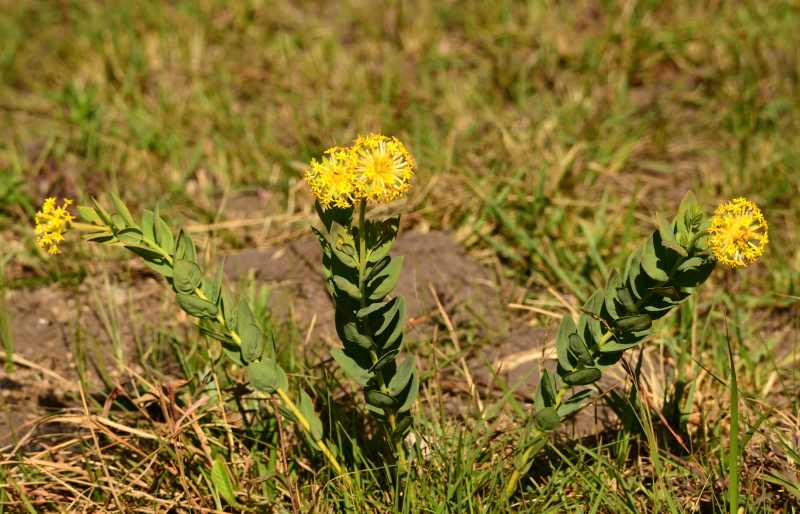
383,168
51,223
333,179
738,233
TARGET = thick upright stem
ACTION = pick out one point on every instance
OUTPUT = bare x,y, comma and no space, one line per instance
362,287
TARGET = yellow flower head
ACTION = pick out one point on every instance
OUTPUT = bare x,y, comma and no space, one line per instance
333,179
376,168
51,223
738,233
383,168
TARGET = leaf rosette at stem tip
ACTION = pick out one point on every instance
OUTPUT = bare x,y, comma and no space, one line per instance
361,274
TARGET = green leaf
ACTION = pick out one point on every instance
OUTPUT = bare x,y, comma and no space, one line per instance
385,359
381,236
590,319
613,346
633,270
547,386
148,231
267,376
154,261
583,376
347,287
102,213
385,281
388,339
402,376
88,215
230,309
213,287
379,399
565,328
130,235
343,256
694,271
145,252
380,252
576,402
687,212
626,299
164,236
373,307
306,407
351,368
196,307
211,329
186,276
352,335
636,323
650,261
122,210
184,247
222,482
411,395
252,342
610,294
392,318
244,314
547,419
667,236
578,349
99,237
234,353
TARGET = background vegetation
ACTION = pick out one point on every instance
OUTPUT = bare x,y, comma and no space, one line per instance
547,135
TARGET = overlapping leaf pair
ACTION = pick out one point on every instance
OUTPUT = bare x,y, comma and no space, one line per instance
659,275
361,275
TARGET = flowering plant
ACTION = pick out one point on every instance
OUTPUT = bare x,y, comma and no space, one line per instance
663,272
361,275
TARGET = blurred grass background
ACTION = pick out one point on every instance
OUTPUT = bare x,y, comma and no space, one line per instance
547,133
580,115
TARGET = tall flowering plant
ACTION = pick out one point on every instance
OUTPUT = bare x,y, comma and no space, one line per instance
663,272
361,274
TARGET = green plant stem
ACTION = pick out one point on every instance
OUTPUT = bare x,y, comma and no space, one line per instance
733,451
302,421
530,451
304,424
511,486
362,287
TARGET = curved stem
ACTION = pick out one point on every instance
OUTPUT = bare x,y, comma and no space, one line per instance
285,398
306,426
530,451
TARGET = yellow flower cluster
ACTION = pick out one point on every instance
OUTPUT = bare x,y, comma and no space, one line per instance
738,233
51,223
375,168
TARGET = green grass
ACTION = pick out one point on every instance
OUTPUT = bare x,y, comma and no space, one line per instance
547,135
